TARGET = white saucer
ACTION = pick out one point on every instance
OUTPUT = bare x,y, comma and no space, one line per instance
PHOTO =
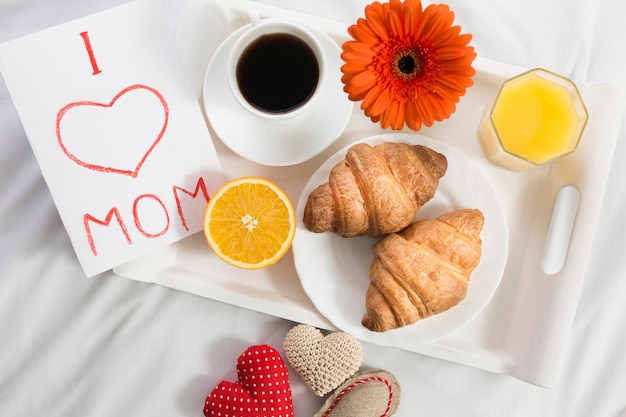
278,142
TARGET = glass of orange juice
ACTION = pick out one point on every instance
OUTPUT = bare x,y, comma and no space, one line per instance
536,117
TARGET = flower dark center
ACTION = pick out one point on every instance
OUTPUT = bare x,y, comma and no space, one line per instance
407,65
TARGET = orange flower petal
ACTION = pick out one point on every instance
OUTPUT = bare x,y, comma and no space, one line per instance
423,109
356,49
391,117
375,101
360,85
394,22
412,116
353,68
375,21
451,53
362,33
436,18
411,15
396,115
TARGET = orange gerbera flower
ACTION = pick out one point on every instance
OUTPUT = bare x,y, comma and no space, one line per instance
406,64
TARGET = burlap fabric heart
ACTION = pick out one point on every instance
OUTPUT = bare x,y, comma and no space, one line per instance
374,393
262,389
323,362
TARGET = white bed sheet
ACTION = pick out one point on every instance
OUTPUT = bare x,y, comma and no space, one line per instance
110,346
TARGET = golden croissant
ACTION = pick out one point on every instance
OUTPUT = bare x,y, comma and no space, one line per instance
423,270
375,190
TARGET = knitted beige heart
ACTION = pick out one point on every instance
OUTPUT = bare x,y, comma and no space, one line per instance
323,362
374,393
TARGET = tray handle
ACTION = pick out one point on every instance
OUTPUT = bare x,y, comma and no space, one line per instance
560,230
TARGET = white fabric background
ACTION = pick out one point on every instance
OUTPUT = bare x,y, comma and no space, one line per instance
110,346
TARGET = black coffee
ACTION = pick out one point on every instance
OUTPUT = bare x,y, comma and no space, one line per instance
277,73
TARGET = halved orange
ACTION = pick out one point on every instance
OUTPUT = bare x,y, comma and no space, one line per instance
249,222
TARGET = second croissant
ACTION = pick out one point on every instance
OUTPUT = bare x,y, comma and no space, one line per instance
375,190
423,270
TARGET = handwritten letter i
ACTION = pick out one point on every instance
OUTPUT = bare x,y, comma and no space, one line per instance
92,58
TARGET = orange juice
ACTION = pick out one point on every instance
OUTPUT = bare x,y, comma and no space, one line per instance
536,118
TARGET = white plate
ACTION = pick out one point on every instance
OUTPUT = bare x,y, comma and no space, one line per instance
276,142
334,270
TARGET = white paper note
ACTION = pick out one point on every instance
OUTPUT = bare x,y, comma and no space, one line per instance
116,129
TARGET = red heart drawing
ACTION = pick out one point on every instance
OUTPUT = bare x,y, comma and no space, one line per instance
262,389
136,131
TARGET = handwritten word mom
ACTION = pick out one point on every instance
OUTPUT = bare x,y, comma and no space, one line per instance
114,217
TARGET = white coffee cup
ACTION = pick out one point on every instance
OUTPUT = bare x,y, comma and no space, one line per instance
276,68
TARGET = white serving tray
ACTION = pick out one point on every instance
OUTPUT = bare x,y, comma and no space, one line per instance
524,330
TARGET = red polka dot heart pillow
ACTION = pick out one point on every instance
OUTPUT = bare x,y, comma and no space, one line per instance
262,389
